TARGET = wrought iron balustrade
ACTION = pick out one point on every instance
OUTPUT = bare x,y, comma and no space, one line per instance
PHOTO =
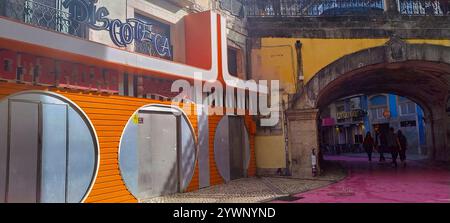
298,8
424,7
47,14
304,8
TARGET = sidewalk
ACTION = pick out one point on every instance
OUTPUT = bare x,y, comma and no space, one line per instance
255,189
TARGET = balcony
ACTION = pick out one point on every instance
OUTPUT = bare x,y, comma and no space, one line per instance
424,8
183,3
324,8
47,14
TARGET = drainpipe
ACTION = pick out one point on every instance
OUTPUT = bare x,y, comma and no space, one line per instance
300,77
287,171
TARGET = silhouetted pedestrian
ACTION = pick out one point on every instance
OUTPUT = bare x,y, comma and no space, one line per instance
393,145
380,144
368,145
403,146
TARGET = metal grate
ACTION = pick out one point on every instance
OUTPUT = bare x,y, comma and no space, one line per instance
294,8
235,7
46,14
424,7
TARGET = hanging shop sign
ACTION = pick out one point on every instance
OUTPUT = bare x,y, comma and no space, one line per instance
328,121
351,114
121,33
30,69
408,124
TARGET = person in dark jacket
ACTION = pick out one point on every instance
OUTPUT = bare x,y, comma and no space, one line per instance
368,145
380,144
393,145
403,146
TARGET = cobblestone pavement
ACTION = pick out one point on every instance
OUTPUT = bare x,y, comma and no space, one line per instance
255,189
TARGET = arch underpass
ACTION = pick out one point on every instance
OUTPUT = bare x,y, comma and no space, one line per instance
419,72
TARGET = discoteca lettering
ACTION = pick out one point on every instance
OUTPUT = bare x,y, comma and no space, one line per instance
121,33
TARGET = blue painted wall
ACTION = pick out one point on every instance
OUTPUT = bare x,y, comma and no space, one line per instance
378,100
393,105
365,107
422,137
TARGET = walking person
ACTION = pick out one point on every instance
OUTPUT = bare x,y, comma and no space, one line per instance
368,145
403,146
393,146
380,144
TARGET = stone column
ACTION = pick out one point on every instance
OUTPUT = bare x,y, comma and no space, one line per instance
439,150
303,137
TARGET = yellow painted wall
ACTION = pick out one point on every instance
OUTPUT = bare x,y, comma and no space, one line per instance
276,60
442,42
269,152
318,53
277,57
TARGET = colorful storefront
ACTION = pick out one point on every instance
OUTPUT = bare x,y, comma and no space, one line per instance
85,122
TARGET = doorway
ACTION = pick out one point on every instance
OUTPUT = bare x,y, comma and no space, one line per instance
232,148
158,154
47,151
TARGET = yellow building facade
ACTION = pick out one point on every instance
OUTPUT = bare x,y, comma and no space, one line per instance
276,59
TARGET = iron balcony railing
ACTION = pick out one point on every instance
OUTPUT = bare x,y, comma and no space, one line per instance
293,8
304,8
424,7
47,14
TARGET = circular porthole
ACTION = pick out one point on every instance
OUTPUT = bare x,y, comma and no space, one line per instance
157,152
48,149
232,148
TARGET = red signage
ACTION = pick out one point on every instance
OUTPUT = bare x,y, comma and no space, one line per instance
44,71
328,122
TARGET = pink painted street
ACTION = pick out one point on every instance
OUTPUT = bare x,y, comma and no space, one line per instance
419,182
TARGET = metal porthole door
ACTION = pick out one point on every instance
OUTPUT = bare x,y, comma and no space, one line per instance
232,148
47,150
157,152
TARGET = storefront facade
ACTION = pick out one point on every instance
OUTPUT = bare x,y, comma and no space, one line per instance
107,96
346,122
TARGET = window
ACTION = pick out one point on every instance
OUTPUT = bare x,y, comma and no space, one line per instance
355,103
235,7
162,47
233,61
408,108
378,113
340,108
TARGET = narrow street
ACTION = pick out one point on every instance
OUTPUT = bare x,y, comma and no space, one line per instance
381,183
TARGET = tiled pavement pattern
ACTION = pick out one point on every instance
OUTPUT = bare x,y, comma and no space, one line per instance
256,189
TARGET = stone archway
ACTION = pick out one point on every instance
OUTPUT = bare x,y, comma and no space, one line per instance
418,71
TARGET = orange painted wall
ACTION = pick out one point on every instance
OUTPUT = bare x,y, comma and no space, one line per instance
215,178
251,127
109,115
213,122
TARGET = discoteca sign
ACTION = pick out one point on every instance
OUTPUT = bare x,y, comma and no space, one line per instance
121,33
